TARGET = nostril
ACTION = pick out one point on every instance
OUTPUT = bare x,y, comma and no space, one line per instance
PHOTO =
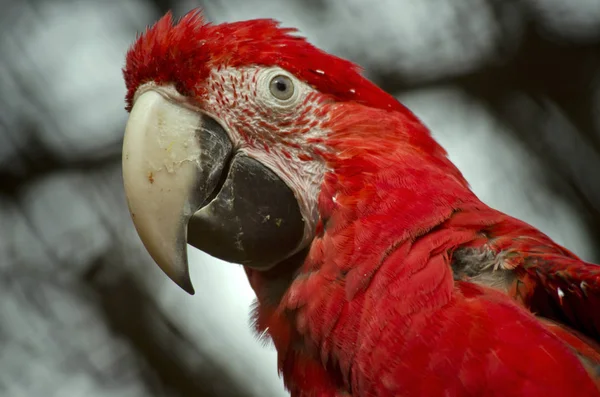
182,90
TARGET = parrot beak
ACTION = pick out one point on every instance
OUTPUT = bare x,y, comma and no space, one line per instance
184,183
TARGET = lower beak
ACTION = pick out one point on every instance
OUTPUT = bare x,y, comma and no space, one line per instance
184,183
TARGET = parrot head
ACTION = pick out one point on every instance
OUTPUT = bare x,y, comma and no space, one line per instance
232,133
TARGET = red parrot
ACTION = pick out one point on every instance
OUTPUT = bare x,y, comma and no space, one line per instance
377,271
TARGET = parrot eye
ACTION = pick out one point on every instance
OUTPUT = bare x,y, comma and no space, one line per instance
281,87
279,90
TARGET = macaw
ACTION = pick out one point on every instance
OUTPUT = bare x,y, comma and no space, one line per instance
377,271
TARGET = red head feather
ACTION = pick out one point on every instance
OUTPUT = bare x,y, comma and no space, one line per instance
183,53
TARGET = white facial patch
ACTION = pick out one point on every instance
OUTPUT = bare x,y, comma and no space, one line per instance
277,132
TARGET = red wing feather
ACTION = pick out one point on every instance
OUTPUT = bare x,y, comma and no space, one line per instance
563,289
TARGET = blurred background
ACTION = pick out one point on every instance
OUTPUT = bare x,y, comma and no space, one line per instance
510,88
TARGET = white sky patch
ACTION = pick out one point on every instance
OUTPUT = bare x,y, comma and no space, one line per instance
218,318
73,53
389,34
568,19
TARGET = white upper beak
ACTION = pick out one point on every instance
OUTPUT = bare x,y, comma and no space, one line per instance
160,166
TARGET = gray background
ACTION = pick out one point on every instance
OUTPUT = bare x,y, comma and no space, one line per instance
510,88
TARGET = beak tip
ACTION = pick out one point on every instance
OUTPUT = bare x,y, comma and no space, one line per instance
188,287
184,282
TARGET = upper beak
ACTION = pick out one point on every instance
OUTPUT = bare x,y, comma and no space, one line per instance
171,163
184,183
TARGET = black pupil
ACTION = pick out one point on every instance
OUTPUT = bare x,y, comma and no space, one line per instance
281,85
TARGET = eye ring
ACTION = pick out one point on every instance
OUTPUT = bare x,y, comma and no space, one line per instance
281,87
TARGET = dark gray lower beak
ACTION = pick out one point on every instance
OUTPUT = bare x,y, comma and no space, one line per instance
254,220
